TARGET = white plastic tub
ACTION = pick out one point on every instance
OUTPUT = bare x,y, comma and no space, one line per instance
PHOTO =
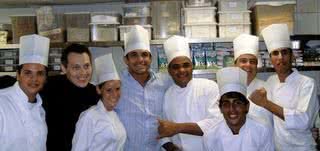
198,3
233,30
125,29
103,32
234,16
233,5
201,31
136,9
200,15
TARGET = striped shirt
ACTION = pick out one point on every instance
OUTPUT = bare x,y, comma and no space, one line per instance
138,109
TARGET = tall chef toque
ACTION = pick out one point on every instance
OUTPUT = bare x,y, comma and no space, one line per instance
176,46
137,38
34,49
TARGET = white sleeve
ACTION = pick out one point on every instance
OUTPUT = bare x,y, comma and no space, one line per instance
304,115
268,141
164,116
83,134
213,111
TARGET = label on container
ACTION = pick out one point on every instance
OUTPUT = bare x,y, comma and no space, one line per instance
232,4
8,61
8,68
56,67
57,60
236,16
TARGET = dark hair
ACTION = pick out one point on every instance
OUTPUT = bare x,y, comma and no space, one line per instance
19,68
101,84
234,94
75,48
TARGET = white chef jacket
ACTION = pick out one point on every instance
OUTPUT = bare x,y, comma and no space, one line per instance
253,136
297,96
98,130
256,111
22,124
197,102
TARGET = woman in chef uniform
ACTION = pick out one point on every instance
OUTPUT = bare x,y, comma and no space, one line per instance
99,128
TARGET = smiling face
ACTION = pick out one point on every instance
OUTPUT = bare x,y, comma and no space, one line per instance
281,60
31,79
78,69
110,93
180,69
248,63
138,62
234,108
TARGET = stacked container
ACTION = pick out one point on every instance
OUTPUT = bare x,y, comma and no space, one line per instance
55,59
104,26
50,25
267,12
200,21
78,26
307,17
136,14
22,25
165,18
9,59
234,18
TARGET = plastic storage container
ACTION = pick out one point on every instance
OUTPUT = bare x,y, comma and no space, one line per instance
311,6
233,5
200,15
307,23
134,10
50,25
8,68
201,31
125,29
137,20
105,17
234,17
77,27
267,13
104,32
233,30
3,37
22,25
198,3
165,18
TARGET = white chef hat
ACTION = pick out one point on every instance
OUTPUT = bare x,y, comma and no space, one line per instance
232,79
105,69
34,49
137,38
246,44
276,36
176,46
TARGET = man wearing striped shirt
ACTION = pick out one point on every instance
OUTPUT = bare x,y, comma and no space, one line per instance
142,93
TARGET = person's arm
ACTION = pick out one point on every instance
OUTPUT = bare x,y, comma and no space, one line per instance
168,129
83,134
259,97
300,117
267,140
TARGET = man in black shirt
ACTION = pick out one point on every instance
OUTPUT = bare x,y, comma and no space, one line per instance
66,96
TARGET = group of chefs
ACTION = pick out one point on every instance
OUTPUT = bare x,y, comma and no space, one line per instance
140,110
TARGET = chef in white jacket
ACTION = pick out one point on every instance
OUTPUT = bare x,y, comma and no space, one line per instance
99,128
246,56
190,104
22,118
238,132
290,96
